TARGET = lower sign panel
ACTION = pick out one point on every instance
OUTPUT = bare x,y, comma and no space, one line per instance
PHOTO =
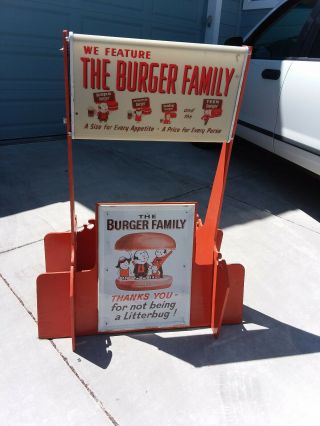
145,265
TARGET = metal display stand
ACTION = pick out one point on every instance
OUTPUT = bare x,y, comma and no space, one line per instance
67,293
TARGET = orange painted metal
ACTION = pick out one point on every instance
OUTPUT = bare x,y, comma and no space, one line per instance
73,222
69,136
53,305
86,302
233,309
67,294
86,290
57,251
219,301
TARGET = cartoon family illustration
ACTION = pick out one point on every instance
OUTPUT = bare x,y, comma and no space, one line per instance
141,107
137,265
170,111
212,108
105,103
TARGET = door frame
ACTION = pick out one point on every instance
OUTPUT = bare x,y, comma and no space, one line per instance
211,34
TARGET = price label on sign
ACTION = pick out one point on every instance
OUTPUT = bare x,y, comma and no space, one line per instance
100,97
136,89
170,107
140,103
211,103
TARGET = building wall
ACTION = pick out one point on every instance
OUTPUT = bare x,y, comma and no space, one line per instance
236,21
31,72
249,18
230,19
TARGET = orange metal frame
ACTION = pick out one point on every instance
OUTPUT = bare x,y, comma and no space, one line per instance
67,293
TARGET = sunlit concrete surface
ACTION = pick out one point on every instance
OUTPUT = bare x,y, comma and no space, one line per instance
265,371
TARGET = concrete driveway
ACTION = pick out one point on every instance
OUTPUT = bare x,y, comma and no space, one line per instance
263,372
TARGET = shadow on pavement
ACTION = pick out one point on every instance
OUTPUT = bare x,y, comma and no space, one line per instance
95,349
271,183
258,337
35,175
236,343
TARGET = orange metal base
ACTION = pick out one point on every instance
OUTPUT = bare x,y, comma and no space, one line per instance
53,288
67,294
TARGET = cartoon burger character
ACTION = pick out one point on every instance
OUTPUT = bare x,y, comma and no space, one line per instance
103,112
161,255
150,250
123,265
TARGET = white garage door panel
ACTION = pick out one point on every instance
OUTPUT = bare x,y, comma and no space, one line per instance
35,65
31,75
31,88
113,6
162,33
111,25
31,18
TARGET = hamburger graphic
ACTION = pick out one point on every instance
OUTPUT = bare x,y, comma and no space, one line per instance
143,267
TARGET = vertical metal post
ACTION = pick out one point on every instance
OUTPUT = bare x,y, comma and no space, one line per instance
68,124
214,212
71,184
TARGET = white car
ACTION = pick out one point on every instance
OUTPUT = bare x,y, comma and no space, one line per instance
281,105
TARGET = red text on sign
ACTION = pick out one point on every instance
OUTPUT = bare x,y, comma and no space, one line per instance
94,72
211,81
128,53
91,50
146,77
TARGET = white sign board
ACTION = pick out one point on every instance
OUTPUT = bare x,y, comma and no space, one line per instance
134,89
145,265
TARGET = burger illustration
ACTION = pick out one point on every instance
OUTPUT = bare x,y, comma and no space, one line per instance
143,267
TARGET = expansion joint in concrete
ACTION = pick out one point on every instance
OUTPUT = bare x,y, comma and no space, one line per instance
53,344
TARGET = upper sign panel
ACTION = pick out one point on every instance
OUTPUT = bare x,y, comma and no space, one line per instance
133,89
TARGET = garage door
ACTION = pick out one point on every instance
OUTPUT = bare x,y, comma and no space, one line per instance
31,74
